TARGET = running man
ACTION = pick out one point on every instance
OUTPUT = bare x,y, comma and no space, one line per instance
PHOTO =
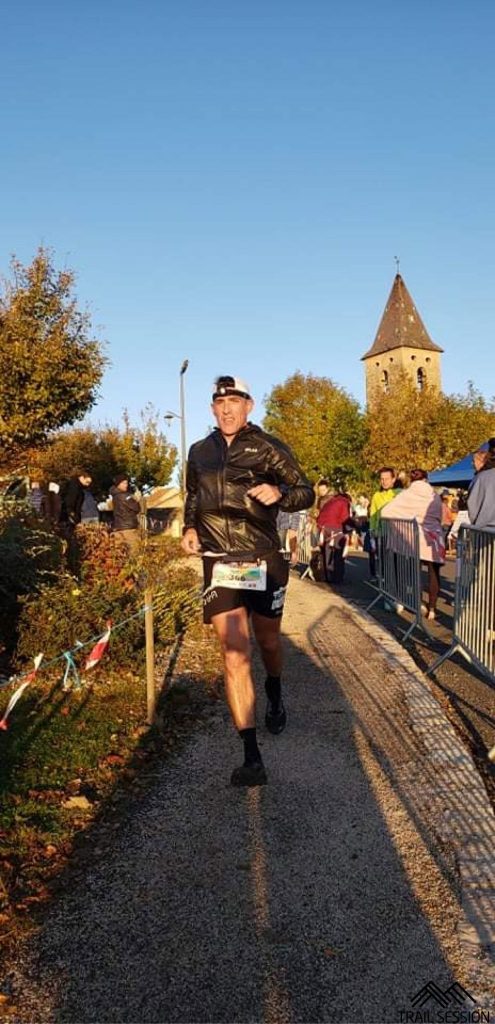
238,478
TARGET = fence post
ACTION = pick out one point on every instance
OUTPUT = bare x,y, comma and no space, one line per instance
399,568
150,656
148,631
474,610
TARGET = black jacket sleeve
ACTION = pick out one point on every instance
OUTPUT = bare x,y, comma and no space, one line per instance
297,492
191,492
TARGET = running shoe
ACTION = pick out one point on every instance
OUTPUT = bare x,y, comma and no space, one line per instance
275,720
249,775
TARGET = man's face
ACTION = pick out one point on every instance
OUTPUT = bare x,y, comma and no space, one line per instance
123,485
231,413
85,480
387,481
479,460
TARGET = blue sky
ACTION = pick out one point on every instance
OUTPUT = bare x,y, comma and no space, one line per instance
231,182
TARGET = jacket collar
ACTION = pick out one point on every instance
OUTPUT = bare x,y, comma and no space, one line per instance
250,428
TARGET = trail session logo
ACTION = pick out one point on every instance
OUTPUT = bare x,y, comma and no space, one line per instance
453,1006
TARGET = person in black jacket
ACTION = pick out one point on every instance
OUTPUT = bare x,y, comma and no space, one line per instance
238,479
71,500
125,512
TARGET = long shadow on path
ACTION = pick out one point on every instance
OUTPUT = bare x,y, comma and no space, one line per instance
317,898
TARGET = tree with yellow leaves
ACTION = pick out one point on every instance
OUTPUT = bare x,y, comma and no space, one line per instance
142,451
322,424
408,427
50,364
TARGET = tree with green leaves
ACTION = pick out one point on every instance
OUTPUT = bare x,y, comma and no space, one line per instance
408,427
142,451
322,424
50,364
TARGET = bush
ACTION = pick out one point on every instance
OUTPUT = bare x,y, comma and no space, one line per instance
163,567
111,587
61,615
30,559
103,555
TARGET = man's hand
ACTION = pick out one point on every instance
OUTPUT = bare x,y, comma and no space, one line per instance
190,542
267,494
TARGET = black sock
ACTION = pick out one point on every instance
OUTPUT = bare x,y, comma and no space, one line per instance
251,749
273,690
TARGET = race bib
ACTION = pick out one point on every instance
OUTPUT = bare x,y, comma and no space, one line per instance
239,575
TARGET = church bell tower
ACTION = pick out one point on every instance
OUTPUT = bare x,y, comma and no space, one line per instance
402,343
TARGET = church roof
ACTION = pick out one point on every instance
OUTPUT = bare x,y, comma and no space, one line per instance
401,325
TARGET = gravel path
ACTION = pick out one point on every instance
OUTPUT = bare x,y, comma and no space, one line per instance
467,696
362,872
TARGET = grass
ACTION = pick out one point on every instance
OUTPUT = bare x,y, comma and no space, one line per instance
92,743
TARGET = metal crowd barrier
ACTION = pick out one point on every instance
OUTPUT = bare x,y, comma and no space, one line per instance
474,608
305,546
399,568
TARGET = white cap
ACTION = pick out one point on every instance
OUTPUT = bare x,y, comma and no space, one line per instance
227,385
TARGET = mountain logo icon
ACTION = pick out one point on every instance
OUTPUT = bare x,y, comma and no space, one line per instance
455,995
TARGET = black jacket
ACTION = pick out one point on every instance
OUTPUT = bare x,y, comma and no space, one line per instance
125,510
72,497
218,478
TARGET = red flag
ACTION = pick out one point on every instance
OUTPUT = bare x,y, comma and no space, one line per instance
98,650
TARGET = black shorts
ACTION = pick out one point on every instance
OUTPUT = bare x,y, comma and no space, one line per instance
268,602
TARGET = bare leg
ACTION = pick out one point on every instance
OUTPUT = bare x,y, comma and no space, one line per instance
232,629
292,545
267,633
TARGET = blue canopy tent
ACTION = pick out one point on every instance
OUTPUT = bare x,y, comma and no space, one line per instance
458,475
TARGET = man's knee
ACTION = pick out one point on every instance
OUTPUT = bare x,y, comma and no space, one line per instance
237,656
270,644
268,637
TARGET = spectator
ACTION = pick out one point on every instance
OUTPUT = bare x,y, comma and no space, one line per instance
462,516
447,515
420,502
323,493
53,504
36,497
89,511
72,498
288,528
360,511
332,521
389,487
481,497
125,512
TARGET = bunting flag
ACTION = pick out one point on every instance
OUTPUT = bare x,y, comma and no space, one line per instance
72,679
18,693
99,649
37,662
71,675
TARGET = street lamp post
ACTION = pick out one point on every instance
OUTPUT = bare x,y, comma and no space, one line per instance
183,369
182,417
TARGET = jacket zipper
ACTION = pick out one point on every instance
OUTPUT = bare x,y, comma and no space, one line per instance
221,476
